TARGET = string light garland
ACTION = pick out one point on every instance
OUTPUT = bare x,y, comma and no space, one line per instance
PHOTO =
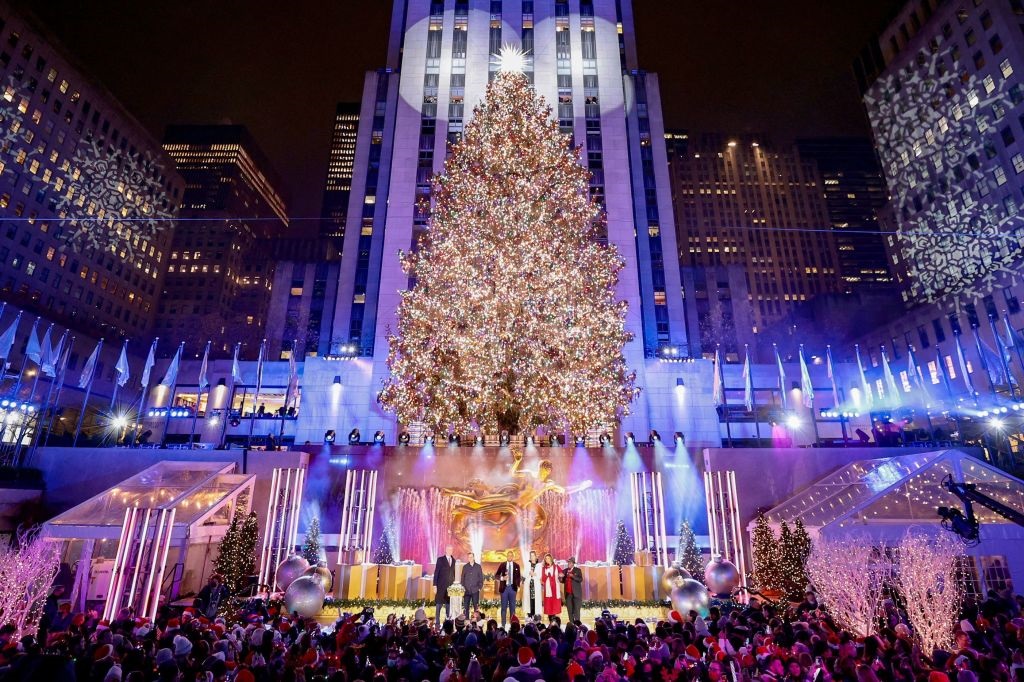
850,576
236,558
27,570
929,582
513,322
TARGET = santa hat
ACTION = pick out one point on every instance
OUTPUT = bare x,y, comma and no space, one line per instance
692,652
936,676
525,655
245,675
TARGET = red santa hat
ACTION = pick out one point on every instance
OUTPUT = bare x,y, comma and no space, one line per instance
525,655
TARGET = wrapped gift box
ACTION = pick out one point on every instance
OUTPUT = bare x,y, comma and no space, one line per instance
600,583
638,583
358,581
643,558
393,583
420,589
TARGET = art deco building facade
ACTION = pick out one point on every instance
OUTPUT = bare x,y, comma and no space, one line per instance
221,270
741,202
340,166
73,164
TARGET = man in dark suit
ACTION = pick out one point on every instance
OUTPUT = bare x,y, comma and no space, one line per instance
472,579
509,576
444,576
573,580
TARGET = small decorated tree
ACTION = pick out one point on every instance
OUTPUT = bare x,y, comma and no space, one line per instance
311,549
928,580
767,553
794,548
27,570
624,546
227,554
236,559
688,555
384,553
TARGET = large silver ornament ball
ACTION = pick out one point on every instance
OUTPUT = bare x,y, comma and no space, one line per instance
721,577
690,596
290,569
673,577
323,574
305,596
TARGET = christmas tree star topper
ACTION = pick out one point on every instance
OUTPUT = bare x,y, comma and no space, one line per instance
511,59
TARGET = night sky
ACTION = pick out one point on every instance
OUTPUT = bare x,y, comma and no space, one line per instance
781,67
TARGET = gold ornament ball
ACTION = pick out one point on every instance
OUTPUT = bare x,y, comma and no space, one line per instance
323,574
673,577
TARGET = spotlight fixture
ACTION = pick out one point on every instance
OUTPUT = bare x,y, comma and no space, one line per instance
654,436
630,438
581,441
404,438
337,380
678,436
479,440
453,439
329,436
428,439
235,421
353,436
222,382
529,440
504,438
378,437
556,440
680,383
604,438
793,421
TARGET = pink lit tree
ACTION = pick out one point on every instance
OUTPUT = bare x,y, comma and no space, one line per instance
927,577
850,575
27,570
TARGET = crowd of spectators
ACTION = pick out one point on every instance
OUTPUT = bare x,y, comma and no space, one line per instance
759,641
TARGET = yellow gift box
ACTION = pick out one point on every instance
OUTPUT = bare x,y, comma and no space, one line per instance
393,582
643,558
420,589
358,581
638,583
600,583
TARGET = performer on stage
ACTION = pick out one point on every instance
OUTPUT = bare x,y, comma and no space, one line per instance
473,581
573,579
509,576
550,577
444,577
533,604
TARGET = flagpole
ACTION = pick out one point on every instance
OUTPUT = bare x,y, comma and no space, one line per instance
835,392
199,395
259,385
1012,335
4,359
1001,348
45,407
24,360
289,396
31,398
170,396
88,391
60,388
117,382
230,396
810,385
145,392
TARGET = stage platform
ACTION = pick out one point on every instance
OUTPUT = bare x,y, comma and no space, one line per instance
650,614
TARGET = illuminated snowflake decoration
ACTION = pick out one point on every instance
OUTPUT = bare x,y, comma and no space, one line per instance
936,129
106,199
113,200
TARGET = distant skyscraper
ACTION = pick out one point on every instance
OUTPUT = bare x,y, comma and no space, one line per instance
946,116
221,269
742,202
86,194
854,193
340,166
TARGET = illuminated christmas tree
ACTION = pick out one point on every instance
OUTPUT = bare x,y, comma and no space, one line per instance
688,555
236,560
311,547
513,321
228,552
625,549
794,548
384,553
767,555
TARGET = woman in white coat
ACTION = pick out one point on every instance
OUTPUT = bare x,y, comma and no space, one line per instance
533,597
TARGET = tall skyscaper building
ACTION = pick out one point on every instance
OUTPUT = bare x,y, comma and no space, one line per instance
946,111
73,164
739,201
855,192
221,270
581,57
340,165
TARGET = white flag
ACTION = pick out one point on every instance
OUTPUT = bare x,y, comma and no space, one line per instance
236,371
90,366
203,381
46,350
7,338
890,379
748,383
864,385
806,387
171,376
148,367
782,377
832,377
292,393
123,371
53,358
33,350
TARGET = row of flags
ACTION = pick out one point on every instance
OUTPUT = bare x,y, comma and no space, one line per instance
995,364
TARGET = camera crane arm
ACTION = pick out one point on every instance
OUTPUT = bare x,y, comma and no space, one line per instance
966,524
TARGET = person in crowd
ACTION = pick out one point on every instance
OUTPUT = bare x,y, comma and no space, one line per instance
472,579
509,576
444,577
212,597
